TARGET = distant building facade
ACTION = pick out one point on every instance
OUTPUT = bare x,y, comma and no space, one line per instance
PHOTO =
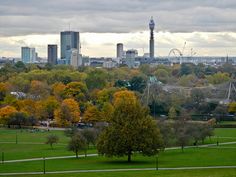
52,54
130,58
119,50
69,40
70,49
28,55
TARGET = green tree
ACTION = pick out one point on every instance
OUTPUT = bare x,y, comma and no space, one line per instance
131,129
90,134
52,139
77,143
138,84
96,79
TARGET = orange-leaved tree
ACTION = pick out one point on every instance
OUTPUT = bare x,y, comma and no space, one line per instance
92,114
5,114
68,113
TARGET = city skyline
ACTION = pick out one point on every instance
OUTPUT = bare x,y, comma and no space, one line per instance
209,29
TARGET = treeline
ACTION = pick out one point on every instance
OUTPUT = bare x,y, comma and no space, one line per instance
64,95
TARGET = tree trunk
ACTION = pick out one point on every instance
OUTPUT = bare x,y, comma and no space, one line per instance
129,155
76,152
182,147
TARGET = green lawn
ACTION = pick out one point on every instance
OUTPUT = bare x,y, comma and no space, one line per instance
212,156
177,173
25,148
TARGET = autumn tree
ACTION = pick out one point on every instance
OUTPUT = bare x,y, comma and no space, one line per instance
58,90
38,90
131,129
107,111
3,91
5,114
76,90
92,114
172,113
68,113
49,106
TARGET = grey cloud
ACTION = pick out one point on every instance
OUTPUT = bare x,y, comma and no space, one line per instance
20,17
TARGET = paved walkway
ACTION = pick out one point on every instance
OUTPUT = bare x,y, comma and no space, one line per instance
47,158
117,170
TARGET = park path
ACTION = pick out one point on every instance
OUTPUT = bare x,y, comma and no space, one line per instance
90,155
117,170
48,158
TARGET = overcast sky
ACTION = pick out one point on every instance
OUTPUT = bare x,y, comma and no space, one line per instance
208,26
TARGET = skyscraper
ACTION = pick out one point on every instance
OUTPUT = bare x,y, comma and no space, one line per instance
52,54
119,50
69,40
151,27
28,55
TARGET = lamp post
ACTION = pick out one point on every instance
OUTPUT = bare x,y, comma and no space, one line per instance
44,166
16,138
2,157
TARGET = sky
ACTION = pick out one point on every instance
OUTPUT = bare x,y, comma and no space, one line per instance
207,26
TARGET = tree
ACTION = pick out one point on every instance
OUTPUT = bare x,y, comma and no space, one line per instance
186,69
5,114
232,108
68,113
18,118
77,143
167,132
131,129
218,78
107,111
172,113
39,90
138,84
182,133
3,91
76,90
92,114
90,135
58,90
96,79
49,106
52,139
162,75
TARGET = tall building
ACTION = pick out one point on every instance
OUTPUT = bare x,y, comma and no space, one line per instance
151,27
119,50
130,58
52,54
28,55
69,40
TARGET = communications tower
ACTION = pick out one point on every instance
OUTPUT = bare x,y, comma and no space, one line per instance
151,27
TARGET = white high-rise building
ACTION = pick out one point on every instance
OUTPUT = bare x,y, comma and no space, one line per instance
28,55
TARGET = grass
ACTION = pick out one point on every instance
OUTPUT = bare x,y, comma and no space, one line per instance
228,122
217,156
178,173
212,156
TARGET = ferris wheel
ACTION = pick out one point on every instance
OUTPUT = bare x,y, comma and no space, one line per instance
175,56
